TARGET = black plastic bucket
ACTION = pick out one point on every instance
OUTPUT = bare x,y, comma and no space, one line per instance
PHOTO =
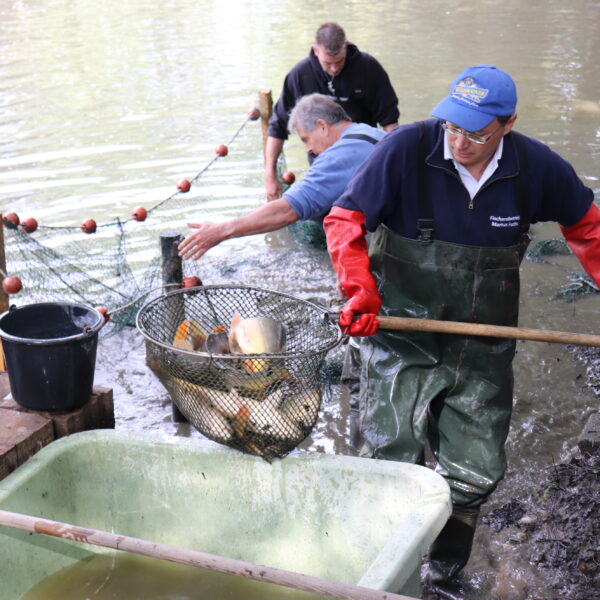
50,351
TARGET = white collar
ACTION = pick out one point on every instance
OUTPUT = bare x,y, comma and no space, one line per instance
472,184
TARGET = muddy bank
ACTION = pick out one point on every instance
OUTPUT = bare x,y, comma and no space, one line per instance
546,542
558,529
590,357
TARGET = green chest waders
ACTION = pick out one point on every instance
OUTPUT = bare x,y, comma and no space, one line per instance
452,392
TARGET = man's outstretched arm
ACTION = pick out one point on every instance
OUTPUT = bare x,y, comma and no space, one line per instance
273,149
269,217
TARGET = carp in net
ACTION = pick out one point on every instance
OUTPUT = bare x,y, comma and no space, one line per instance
241,363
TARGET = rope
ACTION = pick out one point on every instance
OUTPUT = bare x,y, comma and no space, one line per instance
165,200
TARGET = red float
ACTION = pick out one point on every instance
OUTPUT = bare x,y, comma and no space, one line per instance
184,185
11,220
253,114
29,225
221,150
11,284
88,226
104,312
193,281
139,213
289,177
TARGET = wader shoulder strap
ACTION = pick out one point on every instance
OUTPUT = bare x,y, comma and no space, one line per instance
521,182
424,203
360,136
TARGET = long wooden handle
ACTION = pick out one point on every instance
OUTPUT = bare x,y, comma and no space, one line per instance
290,579
518,333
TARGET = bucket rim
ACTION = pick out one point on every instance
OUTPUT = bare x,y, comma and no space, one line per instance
338,337
89,331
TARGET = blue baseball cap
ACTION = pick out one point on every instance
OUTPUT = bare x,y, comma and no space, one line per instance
477,96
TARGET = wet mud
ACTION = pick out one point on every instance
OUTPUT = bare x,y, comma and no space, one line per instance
549,537
558,528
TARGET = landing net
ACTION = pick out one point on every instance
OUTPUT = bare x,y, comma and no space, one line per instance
260,403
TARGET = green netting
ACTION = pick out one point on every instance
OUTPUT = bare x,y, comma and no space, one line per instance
581,283
115,267
540,249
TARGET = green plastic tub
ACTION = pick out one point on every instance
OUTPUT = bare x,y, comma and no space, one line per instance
354,520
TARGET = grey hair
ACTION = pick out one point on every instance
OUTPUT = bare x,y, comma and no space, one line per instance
332,37
309,109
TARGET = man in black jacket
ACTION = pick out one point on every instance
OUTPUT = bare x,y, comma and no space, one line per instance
336,68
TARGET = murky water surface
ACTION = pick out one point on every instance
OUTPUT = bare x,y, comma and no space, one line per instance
131,577
105,105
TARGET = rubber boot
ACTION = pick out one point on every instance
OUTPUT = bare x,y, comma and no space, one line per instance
450,553
351,379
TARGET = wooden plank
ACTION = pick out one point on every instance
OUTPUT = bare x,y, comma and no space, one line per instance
4,384
3,294
22,435
98,413
8,460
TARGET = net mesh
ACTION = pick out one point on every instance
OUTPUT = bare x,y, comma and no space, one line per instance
262,404
113,267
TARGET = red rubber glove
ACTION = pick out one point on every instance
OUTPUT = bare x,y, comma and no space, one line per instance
345,230
584,239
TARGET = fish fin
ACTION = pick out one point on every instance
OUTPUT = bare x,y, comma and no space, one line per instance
184,344
182,331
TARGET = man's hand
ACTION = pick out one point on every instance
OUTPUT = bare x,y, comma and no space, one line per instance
204,238
365,308
267,217
273,148
347,247
273,187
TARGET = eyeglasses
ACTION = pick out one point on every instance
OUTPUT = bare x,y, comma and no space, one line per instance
476,139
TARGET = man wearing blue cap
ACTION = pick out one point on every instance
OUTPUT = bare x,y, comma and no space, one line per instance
450,201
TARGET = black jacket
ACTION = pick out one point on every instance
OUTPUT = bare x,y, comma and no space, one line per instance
363,88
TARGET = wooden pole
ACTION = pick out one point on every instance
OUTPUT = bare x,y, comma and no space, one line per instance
3,294
265,105
290,579
521,333
172,272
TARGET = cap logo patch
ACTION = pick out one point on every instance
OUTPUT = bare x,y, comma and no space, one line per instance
466,90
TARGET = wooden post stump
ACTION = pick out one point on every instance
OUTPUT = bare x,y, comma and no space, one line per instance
265,106
172,272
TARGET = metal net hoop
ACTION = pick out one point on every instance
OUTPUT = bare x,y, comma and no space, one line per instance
261,404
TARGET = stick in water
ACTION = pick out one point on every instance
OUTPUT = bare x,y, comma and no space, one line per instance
290,579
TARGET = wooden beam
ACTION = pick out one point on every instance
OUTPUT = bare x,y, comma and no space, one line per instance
3,294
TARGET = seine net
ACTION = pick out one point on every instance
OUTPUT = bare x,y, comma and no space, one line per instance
113,264
262,404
